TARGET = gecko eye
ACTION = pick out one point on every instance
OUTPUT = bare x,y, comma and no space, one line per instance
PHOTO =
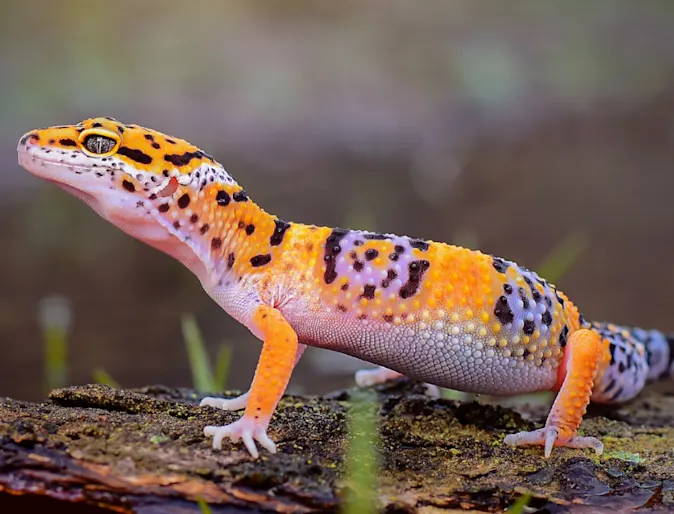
97,144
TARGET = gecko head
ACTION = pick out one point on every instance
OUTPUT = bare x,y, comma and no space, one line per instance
141,180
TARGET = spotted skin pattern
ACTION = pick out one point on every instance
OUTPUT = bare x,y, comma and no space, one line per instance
442,314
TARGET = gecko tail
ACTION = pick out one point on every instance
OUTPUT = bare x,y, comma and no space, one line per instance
659,354
638,356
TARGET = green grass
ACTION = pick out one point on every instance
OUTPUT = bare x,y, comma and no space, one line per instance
55,317
361,459
204,379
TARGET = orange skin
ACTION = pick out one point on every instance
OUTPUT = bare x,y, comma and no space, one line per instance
439,313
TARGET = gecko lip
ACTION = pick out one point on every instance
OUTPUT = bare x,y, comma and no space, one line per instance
33,163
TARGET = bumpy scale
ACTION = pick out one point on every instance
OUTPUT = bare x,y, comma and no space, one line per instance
441,314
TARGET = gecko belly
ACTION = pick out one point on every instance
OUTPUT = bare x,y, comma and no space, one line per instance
456,357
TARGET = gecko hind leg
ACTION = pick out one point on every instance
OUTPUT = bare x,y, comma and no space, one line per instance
583,354
379,375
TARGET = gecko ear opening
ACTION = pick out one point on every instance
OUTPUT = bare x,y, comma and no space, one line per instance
169,188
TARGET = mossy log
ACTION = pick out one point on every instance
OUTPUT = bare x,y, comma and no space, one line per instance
97,449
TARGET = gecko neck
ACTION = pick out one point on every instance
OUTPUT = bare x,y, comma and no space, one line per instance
241,235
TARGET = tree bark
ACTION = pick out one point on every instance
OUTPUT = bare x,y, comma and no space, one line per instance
96,449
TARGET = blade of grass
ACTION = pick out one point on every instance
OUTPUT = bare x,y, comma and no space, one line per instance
202,376
222,364
362,466
103,377
55,316
560,260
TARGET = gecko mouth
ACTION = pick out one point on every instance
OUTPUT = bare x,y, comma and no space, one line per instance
46,168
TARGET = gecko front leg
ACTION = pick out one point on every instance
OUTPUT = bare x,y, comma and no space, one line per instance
279,353
241,401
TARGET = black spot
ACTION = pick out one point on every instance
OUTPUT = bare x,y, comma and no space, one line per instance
183,159
416,271
353,254
617,393
529,327
163,207
341,307
184,201
156,145
194,218
507,288
222,197
250,228
68,142
559,299
216,243
380,237
394,256
358,242
135,155
536,295
176,224
371,254
622,367
419,244
332,249
149,137
399,249
523,296
260,260
563,336
96,125
345,286
240,196
121,129
499,264
358,266
503,312
153,196
230,260
165,173
368,292
388,318
169,140
279,232
204,228
547,318
128,186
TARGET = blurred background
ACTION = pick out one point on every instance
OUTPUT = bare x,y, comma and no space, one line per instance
539,131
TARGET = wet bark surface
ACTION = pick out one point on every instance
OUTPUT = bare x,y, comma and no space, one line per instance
97,449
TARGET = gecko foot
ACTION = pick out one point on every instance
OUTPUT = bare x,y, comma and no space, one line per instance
549,437
246,429
374,376
237,403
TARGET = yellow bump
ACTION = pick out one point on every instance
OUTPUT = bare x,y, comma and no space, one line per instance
425,315
409,318
492,341
503,342
454,317
525,340
441,314
470,327
397,320
496,328
482,332
507,353
484,316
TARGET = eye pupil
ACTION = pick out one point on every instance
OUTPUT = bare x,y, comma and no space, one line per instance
99,144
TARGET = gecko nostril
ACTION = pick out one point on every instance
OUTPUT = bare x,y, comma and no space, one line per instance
31,136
